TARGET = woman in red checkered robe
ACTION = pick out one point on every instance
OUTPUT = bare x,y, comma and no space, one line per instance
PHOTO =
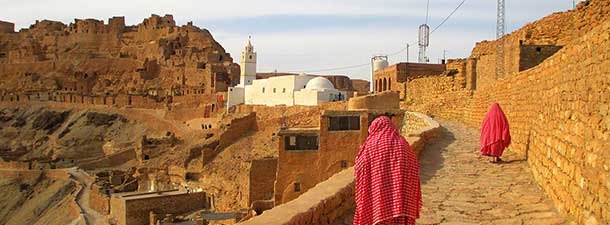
387,178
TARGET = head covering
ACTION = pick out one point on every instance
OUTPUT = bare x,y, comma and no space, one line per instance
495,135
387,178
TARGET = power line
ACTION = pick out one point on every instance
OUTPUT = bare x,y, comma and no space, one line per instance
391,54
332,69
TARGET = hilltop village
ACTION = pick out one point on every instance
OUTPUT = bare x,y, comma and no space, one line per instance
155,123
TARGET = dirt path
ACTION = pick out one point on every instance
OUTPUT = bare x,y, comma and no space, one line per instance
460,187
92,217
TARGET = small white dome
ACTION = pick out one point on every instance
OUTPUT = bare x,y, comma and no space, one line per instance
319,83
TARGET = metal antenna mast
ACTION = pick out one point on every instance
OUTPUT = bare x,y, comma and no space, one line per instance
500,32
424,38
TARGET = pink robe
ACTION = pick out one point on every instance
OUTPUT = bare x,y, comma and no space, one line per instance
495,135
387,178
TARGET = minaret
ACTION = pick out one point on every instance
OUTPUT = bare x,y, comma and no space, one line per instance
248,65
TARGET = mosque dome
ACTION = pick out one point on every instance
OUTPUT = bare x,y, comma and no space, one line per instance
319,83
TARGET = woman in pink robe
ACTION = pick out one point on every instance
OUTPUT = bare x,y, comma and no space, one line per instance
495,135
388,190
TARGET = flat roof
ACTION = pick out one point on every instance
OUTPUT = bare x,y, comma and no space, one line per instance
143,195
299,130
360,111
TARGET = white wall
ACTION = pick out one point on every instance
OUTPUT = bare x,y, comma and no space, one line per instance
289,90
235,96
283,94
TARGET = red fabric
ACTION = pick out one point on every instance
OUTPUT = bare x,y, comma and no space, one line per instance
495,135
387,178
221,99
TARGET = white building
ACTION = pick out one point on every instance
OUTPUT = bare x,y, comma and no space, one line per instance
283,90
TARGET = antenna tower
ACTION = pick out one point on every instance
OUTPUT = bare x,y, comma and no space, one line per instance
500,32
424,38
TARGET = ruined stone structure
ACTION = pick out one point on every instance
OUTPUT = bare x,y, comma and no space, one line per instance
6,27
137,208
360,86
150,65
555,95
394,78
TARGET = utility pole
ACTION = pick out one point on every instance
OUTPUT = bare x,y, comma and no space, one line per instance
408,46
573,4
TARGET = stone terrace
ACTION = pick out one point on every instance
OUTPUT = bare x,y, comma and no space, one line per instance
460,187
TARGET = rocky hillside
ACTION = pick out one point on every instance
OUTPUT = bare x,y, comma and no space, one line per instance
64,137
90,57
35,198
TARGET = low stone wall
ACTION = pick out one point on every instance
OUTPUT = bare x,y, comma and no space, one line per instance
116,159
382,101
320,205
329,200
418,129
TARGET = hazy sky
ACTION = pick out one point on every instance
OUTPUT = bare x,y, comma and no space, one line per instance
309,35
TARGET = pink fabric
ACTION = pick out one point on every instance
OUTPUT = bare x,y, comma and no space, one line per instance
495,135
387,178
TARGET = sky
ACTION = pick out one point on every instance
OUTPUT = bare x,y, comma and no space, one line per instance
310,35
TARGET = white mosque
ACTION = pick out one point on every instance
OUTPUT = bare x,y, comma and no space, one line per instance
281,90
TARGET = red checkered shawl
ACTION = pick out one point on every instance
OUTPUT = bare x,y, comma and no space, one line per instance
387,178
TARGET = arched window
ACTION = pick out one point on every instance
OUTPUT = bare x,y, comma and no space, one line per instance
385,84
390,84
376,86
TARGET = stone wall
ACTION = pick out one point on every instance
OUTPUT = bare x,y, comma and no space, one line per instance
6,27
262,178
290,116
131,209
179,107
417,127
99,200
559,117
332,198
393,78
380,101
109,161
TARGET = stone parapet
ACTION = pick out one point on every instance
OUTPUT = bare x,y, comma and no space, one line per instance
559,118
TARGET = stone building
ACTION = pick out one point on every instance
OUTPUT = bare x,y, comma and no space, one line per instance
6,27
310,155
395,77
139,208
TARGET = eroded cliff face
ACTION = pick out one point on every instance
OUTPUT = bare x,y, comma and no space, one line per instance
89,57
37,197
64,137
